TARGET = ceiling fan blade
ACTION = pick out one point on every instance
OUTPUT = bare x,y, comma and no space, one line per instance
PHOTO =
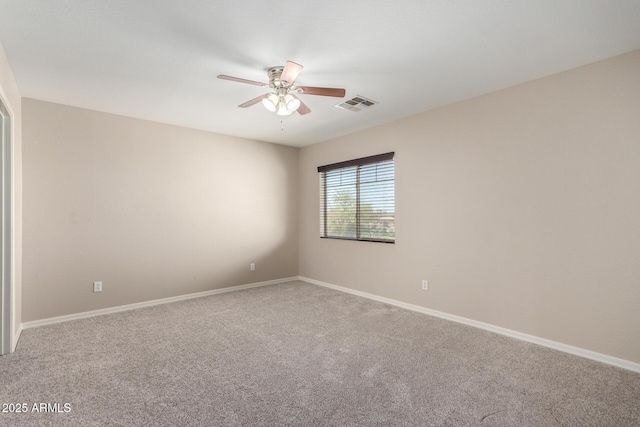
291,72
239,80
254,101
303,108
324,91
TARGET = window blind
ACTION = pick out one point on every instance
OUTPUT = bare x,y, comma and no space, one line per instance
357,199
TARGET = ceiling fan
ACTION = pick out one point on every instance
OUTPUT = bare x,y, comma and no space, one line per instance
283,100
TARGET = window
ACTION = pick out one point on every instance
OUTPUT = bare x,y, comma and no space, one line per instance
357,199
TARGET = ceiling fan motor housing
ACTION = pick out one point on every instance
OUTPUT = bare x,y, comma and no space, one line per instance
275,73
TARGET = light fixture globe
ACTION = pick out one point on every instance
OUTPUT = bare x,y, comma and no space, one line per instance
292,103
282,107
270,102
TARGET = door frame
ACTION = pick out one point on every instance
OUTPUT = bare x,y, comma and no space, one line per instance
7,294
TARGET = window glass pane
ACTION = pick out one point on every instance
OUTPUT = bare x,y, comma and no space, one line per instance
384,172
341,177
377,205
341,213
368,173
341,203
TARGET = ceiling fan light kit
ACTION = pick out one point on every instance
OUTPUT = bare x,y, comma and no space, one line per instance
282,105
283,100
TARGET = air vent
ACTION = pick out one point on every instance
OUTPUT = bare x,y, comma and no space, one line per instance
357,103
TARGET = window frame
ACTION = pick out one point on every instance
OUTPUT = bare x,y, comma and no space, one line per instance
358,163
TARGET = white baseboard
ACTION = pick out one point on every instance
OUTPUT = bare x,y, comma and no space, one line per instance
111,310
599,357
610,360
16,338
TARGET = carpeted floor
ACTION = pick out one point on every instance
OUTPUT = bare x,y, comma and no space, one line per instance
301,355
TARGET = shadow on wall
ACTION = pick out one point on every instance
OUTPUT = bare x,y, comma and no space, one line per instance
151,210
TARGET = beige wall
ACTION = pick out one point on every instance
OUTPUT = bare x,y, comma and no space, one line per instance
11,96
151,210
521,208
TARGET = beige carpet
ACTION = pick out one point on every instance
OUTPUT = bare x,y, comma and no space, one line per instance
301,355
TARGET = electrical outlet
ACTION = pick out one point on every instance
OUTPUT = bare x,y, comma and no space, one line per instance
425,285
252,266
97,286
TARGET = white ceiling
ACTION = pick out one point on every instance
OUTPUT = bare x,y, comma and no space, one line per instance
158,59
